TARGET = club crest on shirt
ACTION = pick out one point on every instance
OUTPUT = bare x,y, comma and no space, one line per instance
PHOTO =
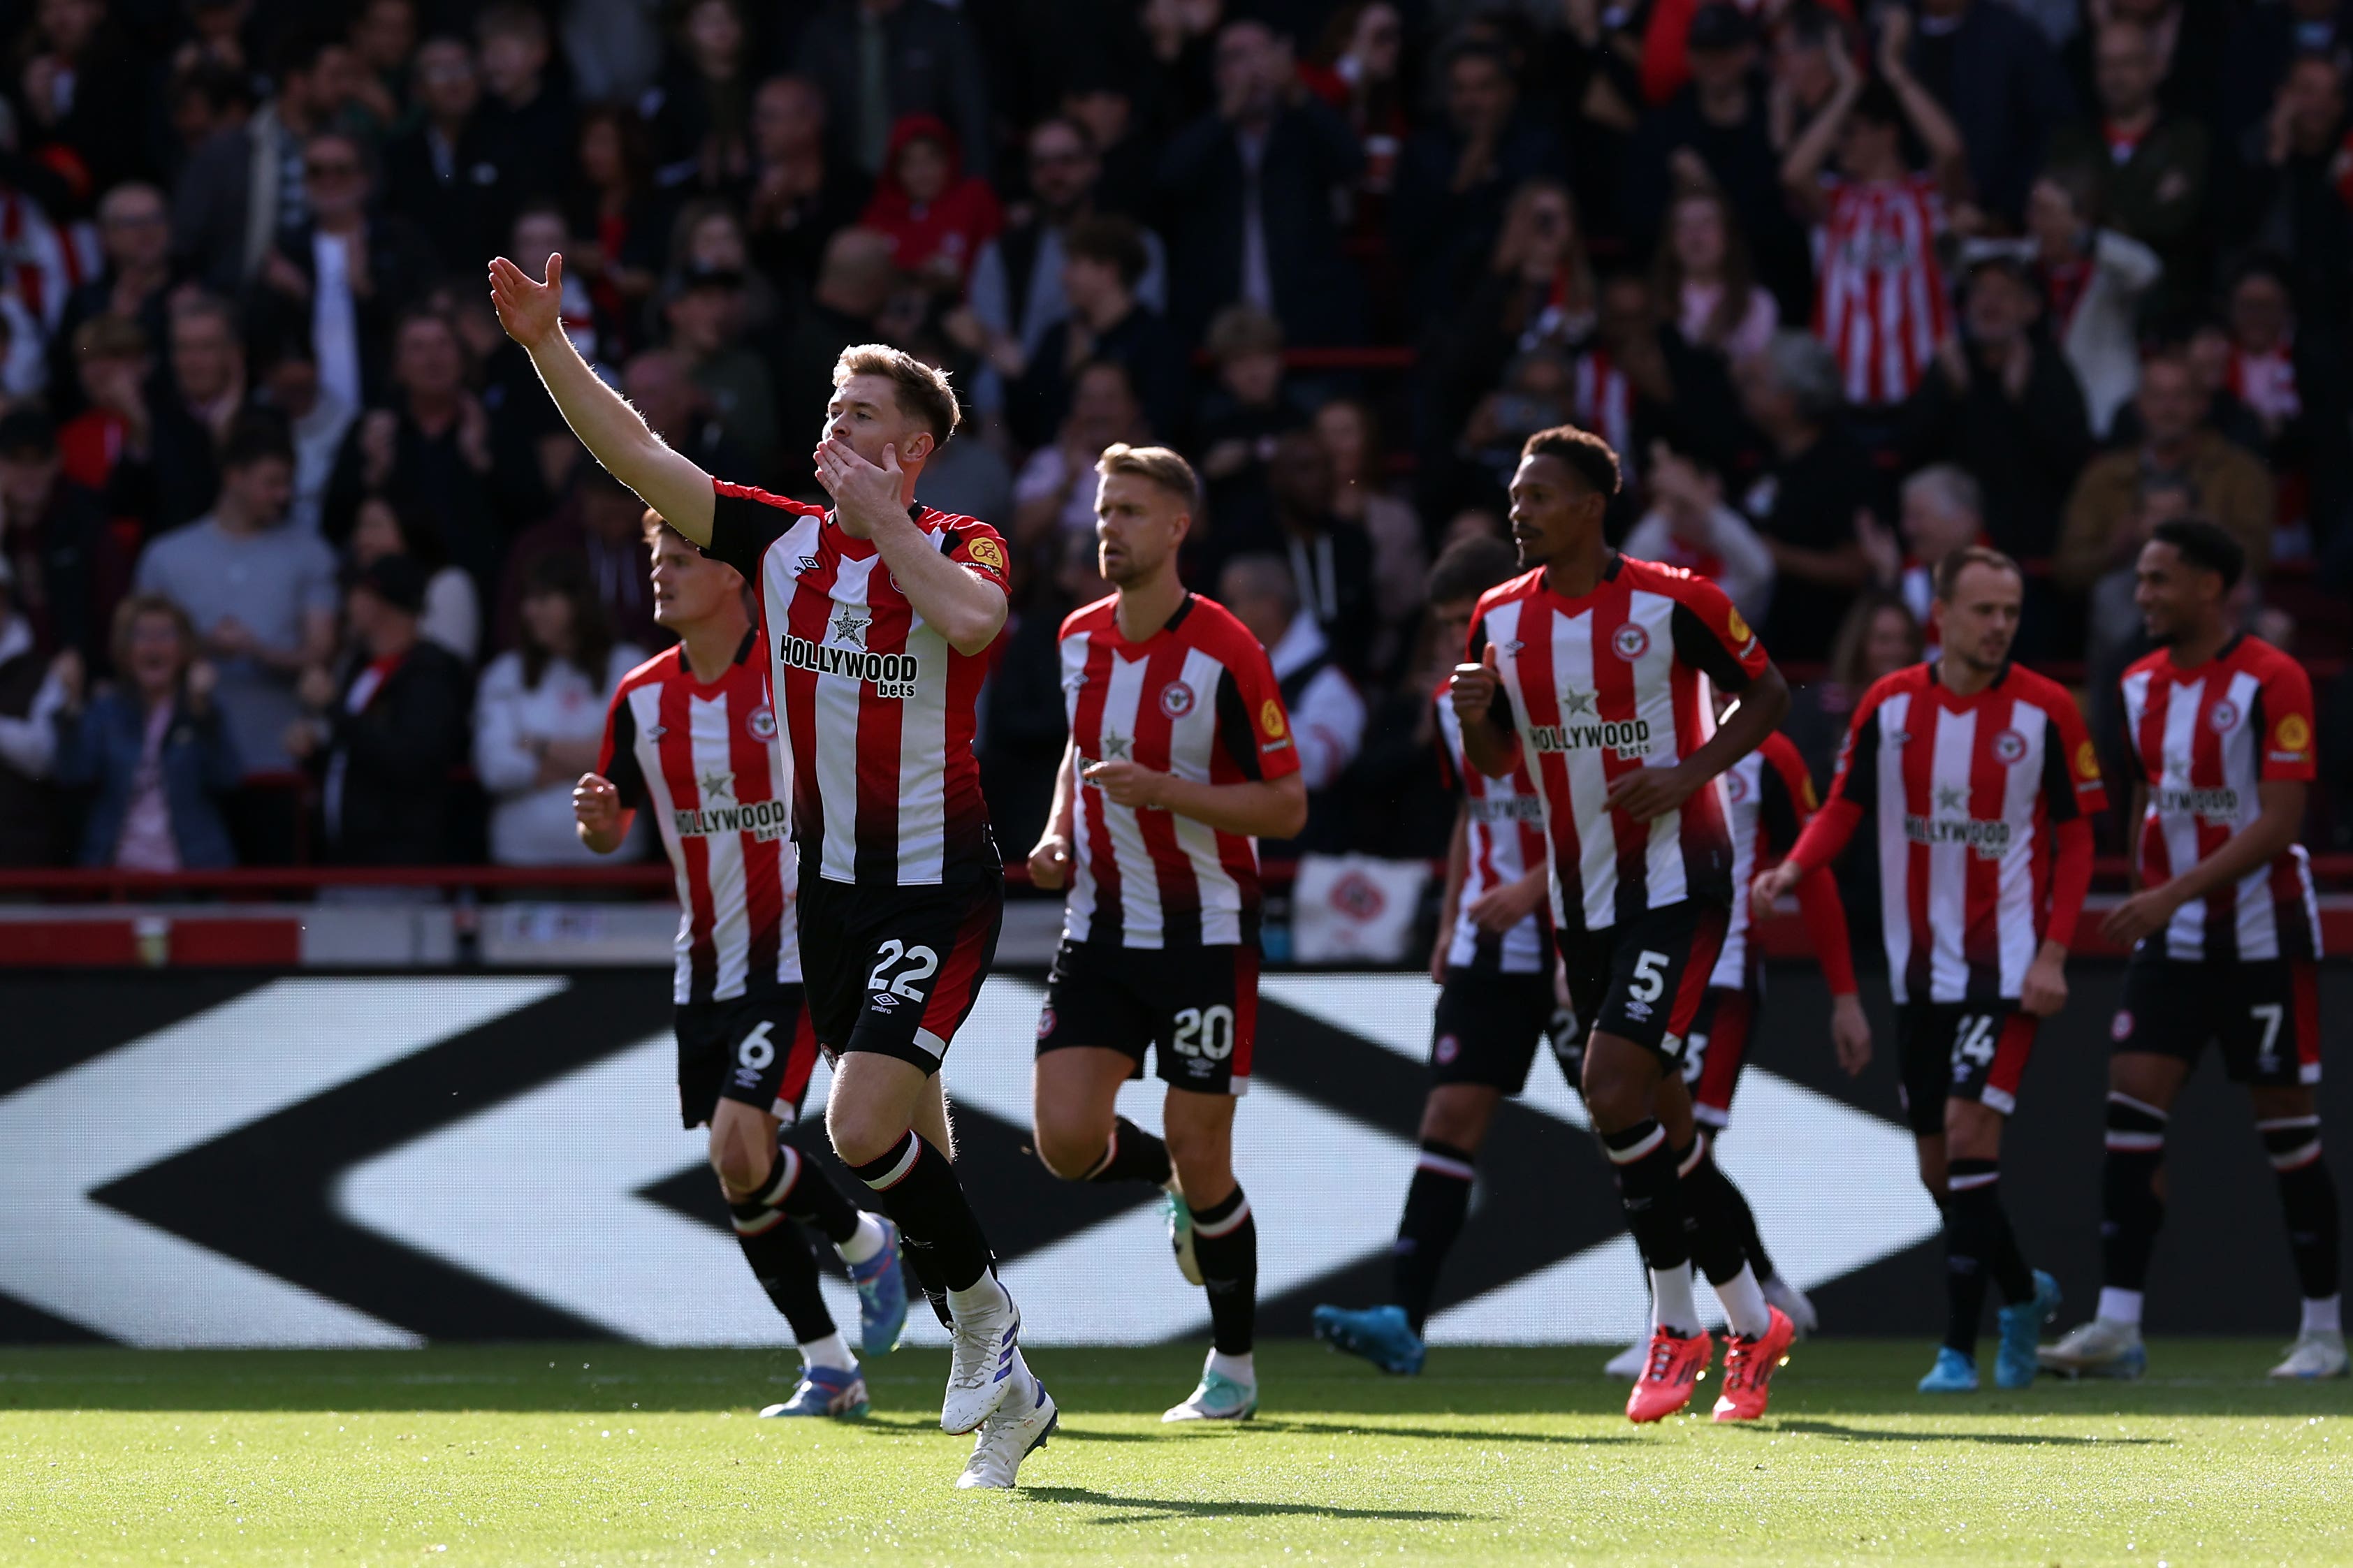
2120,1027
760,724
1045,1022
1176,698
2223,716
2009,747
1630,642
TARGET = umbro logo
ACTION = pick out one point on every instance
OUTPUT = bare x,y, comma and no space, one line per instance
808,562
655,732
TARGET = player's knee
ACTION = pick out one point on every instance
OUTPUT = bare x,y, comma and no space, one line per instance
1615,1096
1067,1153
741,1166
860,1135
1457,1123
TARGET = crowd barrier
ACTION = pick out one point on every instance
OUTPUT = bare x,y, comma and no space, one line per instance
250,1157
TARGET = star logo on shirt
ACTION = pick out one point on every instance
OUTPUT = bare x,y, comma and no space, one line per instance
1115,746
851,627
1951,798
716,786
2177,770
1579,702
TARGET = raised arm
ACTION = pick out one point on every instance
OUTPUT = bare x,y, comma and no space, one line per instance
1946,153
614,435
1800,170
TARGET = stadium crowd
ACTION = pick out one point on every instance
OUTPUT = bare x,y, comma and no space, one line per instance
299,562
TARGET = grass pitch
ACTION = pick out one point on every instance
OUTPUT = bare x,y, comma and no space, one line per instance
522,1455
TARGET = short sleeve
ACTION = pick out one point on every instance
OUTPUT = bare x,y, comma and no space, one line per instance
744,523
1711,636
616,759
2072,784
1856,776
982,548
1253,724
1474,651
1449,777
2284,704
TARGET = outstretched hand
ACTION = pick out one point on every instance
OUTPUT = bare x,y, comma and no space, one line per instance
532,313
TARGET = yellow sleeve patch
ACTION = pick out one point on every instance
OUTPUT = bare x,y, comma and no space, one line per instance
2087,761
2292,733
1737,628
988,552
1269,718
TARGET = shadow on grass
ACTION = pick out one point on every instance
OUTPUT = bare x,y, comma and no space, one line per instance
1144,1510
1465,1434
2011,1439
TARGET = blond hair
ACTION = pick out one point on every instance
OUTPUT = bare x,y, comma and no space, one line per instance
1155,465
921,389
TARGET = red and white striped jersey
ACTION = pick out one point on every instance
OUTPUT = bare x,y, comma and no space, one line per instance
1965,793
1768,797
1603,685
1880,304
2204,739
42,261
1196,699
1504,839
878,709
704,760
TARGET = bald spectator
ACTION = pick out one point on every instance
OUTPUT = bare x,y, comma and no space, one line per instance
2230,483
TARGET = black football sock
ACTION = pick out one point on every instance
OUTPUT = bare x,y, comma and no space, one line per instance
1972,1221
1225,1241
1651,1192
2131,1212
2308,1196
1132,1155
1435,1204
919,1188
800,1187
779,1255
1717,1218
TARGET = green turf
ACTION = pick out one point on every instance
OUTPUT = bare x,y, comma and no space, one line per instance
591,1455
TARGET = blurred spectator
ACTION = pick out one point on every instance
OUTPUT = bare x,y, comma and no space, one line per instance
1023,721
937,216
1880,295
1457,174
614,47
1690,526
349,274
803,192
539,718
158,749
316,418
33,689
1356,69
1249,189
431,450
384,40
885,59
709,237
196,396
1245,411
1351,435
445,165
134,234
451,615
1667,42
2154,165
542,230
260,594
1330,562
1538,290
2260,374
1703,279
1941,510
1055,490
385,735
2265,43
245,186
527,116
80,100
2230,483
2289,190
1815,483
700,109
56,543
659,384
2113,637
1327,715
968,477
600,523
111,365
1105,107
617,258
202,99
1017,294
1103,260
2003,404
2093,280
706,329
853,286
1995,75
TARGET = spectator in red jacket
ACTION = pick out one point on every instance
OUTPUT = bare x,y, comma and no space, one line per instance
936,214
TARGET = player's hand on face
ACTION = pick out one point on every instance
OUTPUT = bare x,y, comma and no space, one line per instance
596,802
2143,914
1650,793
1850,1035
865,495
531,312
1125,784
1050,863
2044,990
